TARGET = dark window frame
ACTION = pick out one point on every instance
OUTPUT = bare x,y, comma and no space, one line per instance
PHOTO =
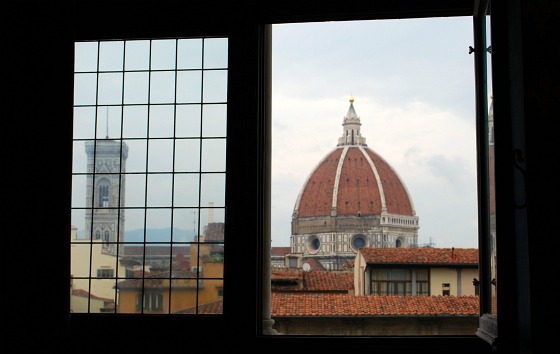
249,33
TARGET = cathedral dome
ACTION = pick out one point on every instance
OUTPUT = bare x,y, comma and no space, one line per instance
351,199
354,180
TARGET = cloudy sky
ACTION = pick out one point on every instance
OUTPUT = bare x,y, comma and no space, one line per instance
413,85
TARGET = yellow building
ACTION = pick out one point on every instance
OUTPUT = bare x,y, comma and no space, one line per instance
92,271
416,271
170,292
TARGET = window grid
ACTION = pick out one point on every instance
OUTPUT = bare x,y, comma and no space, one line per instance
161,253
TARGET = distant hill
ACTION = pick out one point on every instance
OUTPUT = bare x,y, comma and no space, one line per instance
155,235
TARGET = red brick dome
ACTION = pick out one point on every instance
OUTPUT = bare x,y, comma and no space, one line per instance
353,180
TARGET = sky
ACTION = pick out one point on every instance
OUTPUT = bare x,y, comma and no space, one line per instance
413,86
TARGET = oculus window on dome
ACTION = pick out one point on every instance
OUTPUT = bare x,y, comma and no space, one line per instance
148,177
377,150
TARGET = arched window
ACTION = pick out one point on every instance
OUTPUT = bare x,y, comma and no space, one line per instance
103,195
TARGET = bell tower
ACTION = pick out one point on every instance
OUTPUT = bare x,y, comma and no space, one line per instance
105,191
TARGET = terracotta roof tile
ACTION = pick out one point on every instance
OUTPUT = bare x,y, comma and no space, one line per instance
84,293
420,255
212,308
321,304
358,190
312,281
280,251
324,280
314,264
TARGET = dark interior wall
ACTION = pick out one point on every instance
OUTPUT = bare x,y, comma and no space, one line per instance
541,92
37,166
377,326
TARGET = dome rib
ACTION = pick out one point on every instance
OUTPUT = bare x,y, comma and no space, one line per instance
377,179
337,178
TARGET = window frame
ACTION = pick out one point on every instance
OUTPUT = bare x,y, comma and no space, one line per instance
245,307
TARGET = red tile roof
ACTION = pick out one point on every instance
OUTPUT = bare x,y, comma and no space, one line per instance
313,264
312,304
312,281
280,251
315,304
420,255
212,308
214,232
84,293
358,188
324,280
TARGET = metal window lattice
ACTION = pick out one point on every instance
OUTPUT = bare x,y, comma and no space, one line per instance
149,171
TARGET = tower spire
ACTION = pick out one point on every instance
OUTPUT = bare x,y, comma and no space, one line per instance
107,122
351,128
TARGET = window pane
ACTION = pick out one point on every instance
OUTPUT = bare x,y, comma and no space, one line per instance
188,86
137,55
86,56
189,54
111,56
142,212
163,54
215,86
136,87
110,88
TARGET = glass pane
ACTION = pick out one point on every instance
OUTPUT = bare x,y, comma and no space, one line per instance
212,189
215,53
134,226
159,190
162,87
215,86
186,190
84,122
185,219
160,155
163,54
187,155
85,89
135,121
162,121
136,182
86,56
137,158
108,122
188,121
189,54
188,86
136,87
157,225
78,191
492,238
110,88
214,122
137,55
214,155
111,56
